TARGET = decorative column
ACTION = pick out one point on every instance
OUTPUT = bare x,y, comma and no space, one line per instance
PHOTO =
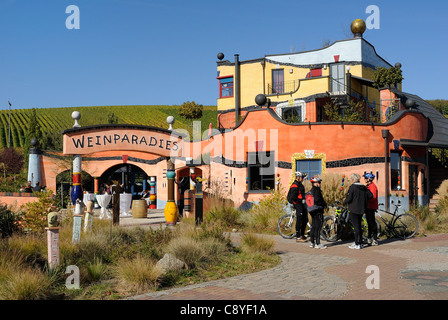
96,191
77,222
152,193
77,186
34,164
189,196
53,246
88,219
198,205
171,211
53,239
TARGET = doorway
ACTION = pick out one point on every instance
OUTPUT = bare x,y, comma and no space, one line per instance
134,179
413,186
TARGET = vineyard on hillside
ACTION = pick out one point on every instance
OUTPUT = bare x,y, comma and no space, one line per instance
59,119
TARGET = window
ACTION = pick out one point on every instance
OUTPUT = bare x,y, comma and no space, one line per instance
225,87
278,81
337,75
261,171
315,73
395,170
292,114
310,167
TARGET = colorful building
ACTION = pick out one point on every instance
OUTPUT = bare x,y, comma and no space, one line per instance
273,119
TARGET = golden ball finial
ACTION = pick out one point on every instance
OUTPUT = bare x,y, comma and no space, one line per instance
358,27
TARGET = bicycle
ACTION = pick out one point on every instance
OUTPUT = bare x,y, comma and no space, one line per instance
334,226
403,226
287,226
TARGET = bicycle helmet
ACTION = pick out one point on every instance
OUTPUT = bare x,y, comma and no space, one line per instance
369,176
301,174
315,179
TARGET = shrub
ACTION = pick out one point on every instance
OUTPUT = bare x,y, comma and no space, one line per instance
9,221
442,191
264,215
227,215
34,216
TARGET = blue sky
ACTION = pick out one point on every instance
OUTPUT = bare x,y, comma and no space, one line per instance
136,52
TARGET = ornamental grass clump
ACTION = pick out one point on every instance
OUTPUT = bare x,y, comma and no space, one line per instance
25,284
264,215
139,274
254,243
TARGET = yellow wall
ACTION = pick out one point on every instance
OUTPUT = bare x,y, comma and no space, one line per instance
252,75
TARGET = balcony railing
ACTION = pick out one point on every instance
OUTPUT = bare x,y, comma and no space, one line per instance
304,87
283,87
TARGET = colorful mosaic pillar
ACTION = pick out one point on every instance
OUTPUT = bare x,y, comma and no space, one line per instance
77,186
171,211
152,193
77,193
96,191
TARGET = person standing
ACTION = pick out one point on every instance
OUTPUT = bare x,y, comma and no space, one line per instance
317,216
372,207
298,194
356,199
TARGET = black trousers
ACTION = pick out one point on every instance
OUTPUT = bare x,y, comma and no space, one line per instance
317,222
302,219
371,223
356,222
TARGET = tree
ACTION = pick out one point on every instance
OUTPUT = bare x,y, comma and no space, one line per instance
191,110
33,132
387,77
12,160
440,104
353,112
112,118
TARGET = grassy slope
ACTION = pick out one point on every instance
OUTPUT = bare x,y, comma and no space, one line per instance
60,119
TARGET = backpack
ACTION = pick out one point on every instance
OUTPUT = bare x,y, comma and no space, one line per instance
290,196
310,205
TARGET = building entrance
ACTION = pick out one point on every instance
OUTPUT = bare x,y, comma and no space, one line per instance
134,179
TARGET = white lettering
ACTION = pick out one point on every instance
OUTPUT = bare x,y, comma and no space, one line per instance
72,21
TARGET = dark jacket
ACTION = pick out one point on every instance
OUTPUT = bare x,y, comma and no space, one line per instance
357,198
298,192
318,197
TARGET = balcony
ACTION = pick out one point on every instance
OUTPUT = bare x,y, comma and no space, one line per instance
300,87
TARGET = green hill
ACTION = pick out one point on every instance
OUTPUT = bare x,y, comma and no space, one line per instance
59,119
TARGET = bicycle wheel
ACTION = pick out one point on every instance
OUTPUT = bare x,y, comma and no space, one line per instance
331,230
405,226
287,226
365,228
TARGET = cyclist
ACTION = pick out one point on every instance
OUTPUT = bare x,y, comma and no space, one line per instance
357,198
372,207
298,194
317,217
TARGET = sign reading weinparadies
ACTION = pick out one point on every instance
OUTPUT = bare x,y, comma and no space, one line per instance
159,142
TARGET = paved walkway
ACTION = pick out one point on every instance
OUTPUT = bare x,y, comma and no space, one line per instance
415,269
